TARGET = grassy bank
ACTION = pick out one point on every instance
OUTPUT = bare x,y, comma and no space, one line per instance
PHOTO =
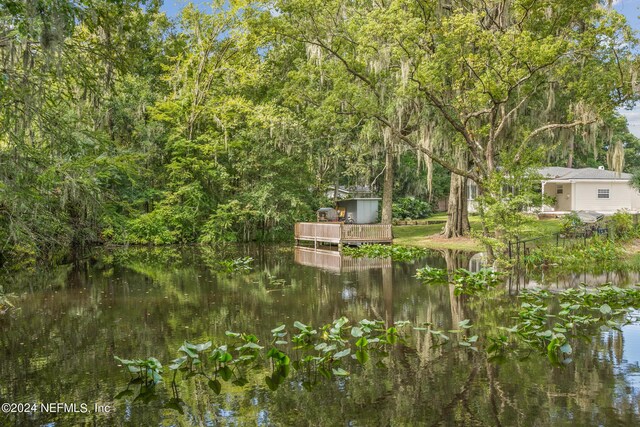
428,236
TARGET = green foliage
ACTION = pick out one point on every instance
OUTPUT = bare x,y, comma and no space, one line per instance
238,264
120,126
464,281
551,331
396,252
488,120
327,352
622,224
469,283
598,251
148,370
504,205
225,221
77,160
431,275
570,222
410,207
5,303
635,179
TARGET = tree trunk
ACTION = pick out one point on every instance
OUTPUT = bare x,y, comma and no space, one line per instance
336,185
387,187
454,261
457,209
485,231
570,159
387,291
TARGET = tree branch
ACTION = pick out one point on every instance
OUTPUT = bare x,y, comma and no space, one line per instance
544,128
445,164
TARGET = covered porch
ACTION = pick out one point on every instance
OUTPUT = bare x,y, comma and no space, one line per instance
563,192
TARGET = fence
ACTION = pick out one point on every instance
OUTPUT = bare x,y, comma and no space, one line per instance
518,248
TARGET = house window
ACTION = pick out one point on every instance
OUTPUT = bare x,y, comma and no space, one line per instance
603,193
559,189
472,192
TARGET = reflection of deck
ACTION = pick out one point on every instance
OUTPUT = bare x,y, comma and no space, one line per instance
348,234
336,262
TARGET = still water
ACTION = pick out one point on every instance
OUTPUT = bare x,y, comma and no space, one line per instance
59,344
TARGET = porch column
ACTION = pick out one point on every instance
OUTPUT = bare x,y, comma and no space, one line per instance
542,198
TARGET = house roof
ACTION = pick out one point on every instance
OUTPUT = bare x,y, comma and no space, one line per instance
554,171
341,189
560,173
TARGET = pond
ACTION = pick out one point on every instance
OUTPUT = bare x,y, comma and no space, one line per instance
59,344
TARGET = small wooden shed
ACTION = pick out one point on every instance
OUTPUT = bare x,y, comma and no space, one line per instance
363,210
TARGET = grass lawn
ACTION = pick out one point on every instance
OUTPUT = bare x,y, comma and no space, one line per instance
428,236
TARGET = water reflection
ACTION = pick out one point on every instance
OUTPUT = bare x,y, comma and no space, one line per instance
544,278
59,346
335,261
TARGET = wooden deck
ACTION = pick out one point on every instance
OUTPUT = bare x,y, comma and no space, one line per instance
342,234
335,262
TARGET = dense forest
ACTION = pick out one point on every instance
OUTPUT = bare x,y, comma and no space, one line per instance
121,125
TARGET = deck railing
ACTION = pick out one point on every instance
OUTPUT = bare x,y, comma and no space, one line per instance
320,232
366,233
343,233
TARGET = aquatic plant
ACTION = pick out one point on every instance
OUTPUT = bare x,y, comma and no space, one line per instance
468,283
241,264
440,337
396,252
547,323
550,322
274,282
146,370
464,281
431,275
326,351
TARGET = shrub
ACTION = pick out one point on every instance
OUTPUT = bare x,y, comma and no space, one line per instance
622,224
598,252
410,207
570,222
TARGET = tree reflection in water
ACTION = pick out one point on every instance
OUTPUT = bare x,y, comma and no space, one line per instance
59,346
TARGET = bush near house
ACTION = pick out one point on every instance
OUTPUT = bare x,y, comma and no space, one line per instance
412,208
622,224
570,222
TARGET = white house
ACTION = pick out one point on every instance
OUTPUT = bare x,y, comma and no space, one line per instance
585,189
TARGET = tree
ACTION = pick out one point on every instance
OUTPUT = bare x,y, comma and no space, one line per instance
366,82
61,64
487,68
491,69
